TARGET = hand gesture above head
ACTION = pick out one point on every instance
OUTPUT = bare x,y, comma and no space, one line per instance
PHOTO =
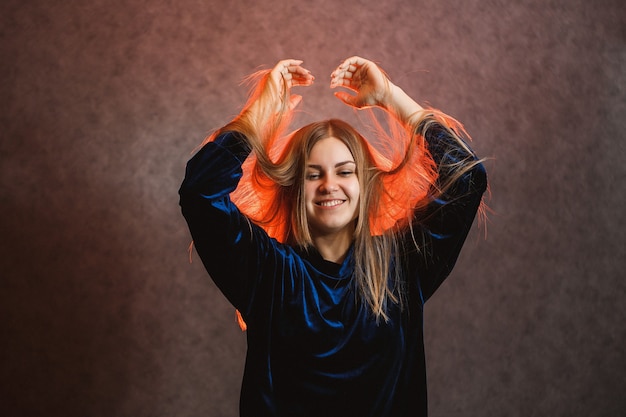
366,79
372,88
289,73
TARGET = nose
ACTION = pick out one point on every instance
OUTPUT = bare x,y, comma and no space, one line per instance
329,185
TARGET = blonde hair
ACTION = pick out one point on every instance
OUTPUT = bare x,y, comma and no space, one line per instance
395,181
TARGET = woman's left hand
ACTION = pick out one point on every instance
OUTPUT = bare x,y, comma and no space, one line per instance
366,79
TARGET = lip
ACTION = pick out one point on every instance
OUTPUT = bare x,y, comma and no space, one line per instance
331,203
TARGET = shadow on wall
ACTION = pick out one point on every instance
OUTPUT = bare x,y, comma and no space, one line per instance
66,345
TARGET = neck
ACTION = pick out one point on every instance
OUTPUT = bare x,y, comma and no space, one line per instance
333,248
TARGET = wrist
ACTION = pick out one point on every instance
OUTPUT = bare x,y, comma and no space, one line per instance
400,104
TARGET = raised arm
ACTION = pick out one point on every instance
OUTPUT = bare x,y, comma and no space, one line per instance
230,246
441,225
274,95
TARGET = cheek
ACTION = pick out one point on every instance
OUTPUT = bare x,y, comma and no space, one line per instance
309,192
355,190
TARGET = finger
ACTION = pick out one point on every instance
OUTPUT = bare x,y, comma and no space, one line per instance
289,73
302,82
349,68
346,98
344,80
282,67
358,61
288,63
343,74
359,67
299,69
300,79
352,63
297,75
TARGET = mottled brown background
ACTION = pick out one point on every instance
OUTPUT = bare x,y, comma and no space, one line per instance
102,103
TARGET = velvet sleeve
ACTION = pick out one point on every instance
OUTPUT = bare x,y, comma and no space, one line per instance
231,248
442,227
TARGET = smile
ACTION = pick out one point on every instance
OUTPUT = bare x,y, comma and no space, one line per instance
330,203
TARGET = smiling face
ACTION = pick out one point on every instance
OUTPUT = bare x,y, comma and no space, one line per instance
331,189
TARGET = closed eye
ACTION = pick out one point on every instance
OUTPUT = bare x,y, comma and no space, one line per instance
313,176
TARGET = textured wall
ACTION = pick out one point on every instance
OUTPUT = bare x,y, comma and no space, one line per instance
102,102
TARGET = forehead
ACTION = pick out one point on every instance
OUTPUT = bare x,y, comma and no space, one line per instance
330,150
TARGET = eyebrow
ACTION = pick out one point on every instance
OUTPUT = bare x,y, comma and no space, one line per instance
337,165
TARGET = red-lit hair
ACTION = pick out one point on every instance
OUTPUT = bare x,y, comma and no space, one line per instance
396,176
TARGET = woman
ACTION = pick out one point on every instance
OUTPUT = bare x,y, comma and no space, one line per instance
332,247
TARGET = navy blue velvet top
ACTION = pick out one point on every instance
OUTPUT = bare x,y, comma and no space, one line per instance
313,348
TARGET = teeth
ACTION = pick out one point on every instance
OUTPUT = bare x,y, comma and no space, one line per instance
330,203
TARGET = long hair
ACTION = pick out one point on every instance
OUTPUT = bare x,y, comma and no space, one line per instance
396,179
